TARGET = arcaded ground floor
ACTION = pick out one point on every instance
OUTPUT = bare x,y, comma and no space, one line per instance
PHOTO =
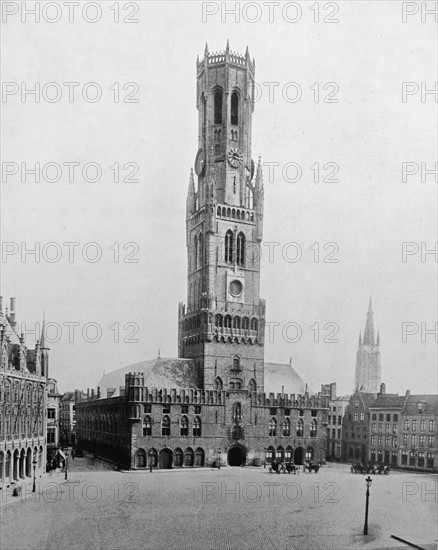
230,508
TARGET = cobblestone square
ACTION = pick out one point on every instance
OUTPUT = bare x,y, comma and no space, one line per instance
231,508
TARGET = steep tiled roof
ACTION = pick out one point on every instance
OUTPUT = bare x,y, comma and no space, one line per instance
389,401
278,375
158,373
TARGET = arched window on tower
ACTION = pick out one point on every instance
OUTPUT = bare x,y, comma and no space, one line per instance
240,249
300,427
313,427
201,250
252,386
234,108
249,197
286,427
218,383
229,238
218,107
195,250
236,363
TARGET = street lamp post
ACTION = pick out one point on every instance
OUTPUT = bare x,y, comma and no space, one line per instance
219,459
34,462
66,464
368,481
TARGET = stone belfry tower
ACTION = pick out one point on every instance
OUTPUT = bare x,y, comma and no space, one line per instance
368,370
222,325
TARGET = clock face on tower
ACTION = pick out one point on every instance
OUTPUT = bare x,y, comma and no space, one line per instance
235,157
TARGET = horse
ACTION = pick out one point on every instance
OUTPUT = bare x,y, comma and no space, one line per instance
311,467
291,467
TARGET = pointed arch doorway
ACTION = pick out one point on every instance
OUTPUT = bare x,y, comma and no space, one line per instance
237,455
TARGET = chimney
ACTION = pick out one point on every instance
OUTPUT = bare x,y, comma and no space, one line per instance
382,388
98,392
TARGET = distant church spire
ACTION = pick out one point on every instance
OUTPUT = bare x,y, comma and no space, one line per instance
368,369
368,336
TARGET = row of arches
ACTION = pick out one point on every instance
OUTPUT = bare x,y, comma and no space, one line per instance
235,384
166,458
297,455
18,465
286,428
234,213
236,322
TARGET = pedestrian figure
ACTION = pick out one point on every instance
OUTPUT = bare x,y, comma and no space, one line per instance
72,454
150,467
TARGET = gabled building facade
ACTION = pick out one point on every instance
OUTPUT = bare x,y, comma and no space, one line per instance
23,401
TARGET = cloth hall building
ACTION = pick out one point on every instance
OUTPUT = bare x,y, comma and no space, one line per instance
219,401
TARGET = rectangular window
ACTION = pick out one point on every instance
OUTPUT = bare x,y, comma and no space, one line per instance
394,442
430,441
422,440
380,440
388,428
395,428
413,440
405,439
166,408
431,425
184,409
388,418
51,436
396,418
412,459
286,412
421,460
147,408
314,412
373,427
430,460
414,425
51,413
387,441
339,420
333,433
356,404
406,425
381,417
380,427
373,440
339,433
422,425
329,419
362,417
355,416
404,458
334,409
374,416
197,409
273,411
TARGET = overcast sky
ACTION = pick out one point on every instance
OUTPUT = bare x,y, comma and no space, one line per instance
368,133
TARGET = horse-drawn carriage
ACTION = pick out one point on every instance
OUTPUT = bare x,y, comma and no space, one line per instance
311,466
283,467
370,469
